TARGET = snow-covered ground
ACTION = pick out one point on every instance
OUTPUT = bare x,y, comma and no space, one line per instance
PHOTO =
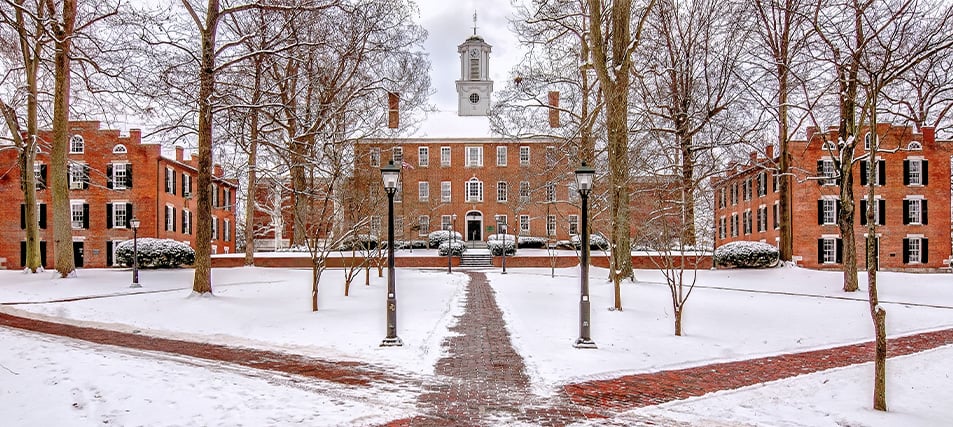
270,308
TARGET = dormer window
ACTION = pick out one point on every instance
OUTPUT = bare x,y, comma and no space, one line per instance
120,149
76,144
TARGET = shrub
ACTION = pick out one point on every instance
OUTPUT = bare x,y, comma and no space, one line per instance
155,253
530,242
458,248
746,255
361,242
435,238
596,241
496,247
408,244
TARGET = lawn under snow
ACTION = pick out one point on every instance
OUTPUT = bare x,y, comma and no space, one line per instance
727,318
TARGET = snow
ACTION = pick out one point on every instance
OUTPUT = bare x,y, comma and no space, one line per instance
731,315
447,124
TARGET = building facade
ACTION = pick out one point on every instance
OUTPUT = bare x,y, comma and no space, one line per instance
113,178
912,210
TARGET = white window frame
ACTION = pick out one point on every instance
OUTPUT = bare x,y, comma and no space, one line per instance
550,225
524,192
914,250
550,192
474,157
170,218
474,190
76,175
915,163
226,232
186,185
829,172
829,250
573,224
119,179
829,211
501,155
423,156
77,145
170,182
502,191
399,194
397,155
915,211
445,159
524,225
446,221
446,193
423,191
119,212
76,217
524,155
374,157
214,228
423,225
186,222
120,149
374,226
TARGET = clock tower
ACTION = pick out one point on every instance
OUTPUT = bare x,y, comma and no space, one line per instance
474,87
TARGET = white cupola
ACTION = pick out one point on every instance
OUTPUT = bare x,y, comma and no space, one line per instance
474,87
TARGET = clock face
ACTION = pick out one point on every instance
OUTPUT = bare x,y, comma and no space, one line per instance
474,53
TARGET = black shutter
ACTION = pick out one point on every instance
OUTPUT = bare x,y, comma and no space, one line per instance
863,172
128,175
882,172
43,216
22,254
109,253
173,219
820,212
820,251
185,189
86,216
906,212
184,218
923,212
906,251
85,177
109,175
167,180
190,185
863,212
128,214
109,215
191,226
166,218
839,255
882,211
43,253
924,173
924,252
41,184
22,216
173,182
820,172
906,172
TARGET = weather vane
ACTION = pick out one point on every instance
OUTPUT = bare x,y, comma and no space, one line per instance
474,22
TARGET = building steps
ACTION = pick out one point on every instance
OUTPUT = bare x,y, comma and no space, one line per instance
476,258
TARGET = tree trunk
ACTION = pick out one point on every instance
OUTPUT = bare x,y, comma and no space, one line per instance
252,189
62,219
202,282
678,321
316,270
25,160
786,232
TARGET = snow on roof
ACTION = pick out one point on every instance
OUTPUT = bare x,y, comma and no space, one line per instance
447,124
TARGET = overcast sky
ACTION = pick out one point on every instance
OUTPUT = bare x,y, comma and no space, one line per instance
448,24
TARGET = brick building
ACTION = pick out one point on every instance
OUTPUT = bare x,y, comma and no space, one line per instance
111,179
912,194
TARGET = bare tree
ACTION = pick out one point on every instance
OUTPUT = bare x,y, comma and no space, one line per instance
62,25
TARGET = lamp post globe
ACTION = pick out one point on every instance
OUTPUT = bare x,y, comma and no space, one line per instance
391,177
134,223
584,178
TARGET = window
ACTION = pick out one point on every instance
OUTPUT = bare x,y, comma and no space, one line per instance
915,211
915,171
550,192
474,157
746,189
914,146
881,177
227,198
76,144
214,190
78,176
721,197
40,216
550,156
573,192
524,156
573,224
186,185
397,155
762,219
721,227
474,190
825,170
118,176
746,221
375,225
501,191
214,228
915,250
39,173
501,155
445,156
446,222
827,211
777,216
524,225
375,157
399,194
423,191
120,149
776,182
879,212
118,215
399,225
79,214
829,250
762,184
550,225
169,218
734,194
170,181
186,222
734,225
867,141
423,225
423,157
445,192
524,191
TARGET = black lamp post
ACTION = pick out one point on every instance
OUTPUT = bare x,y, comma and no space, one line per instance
391,176
584,177
449,264
134,223
501,228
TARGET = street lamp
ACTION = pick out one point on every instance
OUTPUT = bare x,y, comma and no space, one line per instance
391,176
134,223
584,176
449,264
501,228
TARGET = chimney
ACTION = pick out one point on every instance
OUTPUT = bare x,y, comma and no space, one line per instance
929,134
179,153
554,109
753,157
135,136
217,170
769,151
393,110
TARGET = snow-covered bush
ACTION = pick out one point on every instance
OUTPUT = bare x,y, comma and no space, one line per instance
532,242
361,242
495,236
746,255
434,239
596,241
496,247
155,253
408,244
458,248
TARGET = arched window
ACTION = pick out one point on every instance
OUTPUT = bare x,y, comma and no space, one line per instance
867,141
76,144
914,145
474,188
119,149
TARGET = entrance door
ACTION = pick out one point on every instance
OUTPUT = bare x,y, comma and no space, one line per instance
78,254
474,226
